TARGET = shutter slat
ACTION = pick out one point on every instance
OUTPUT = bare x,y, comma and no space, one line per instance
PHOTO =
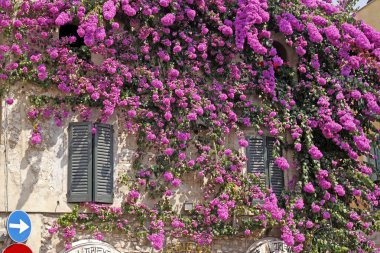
105,153
103,163
79,160
276,175
79,174
80,163
84,181
81,184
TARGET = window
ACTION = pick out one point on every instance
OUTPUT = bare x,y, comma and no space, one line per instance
71,30
376,168
90,175
376,163
260,160
281,50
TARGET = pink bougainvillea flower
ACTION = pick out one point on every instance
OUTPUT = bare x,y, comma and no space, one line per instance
62,19
315,153
282,163
36,138
169,151
299,204
176,182
168,19
243,143
157,240
109,10
309,188
9,101
168,176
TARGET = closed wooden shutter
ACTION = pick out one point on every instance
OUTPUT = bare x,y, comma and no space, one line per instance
257,156
377,153
103,163
80,162
276,175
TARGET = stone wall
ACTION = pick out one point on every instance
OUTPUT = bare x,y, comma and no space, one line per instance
41,241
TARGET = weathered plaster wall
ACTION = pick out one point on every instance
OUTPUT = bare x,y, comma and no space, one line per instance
35,177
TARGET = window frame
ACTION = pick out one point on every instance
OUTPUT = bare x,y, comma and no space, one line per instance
267,170
375,162
92,194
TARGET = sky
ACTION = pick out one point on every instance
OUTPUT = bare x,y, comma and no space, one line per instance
361,3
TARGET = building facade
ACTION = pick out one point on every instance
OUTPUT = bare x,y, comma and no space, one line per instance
369,14
35,179
43,180
83,162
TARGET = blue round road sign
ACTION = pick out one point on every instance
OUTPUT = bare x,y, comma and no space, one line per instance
19,226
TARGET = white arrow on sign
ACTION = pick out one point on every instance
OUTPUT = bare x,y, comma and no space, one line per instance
22,226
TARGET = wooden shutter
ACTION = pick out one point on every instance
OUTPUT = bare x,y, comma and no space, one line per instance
377,160
103,163
256,156
80,162
276,175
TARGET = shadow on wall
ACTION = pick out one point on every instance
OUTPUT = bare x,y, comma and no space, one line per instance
37,168
32,166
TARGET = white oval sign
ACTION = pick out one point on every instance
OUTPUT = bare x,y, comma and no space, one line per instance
91,246
269,245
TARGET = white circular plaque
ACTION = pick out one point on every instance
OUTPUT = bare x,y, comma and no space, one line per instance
91,246
269,245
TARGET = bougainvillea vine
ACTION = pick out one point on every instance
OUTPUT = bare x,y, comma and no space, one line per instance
184,74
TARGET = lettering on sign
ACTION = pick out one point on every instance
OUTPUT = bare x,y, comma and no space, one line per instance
95,249
91,246
269,245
